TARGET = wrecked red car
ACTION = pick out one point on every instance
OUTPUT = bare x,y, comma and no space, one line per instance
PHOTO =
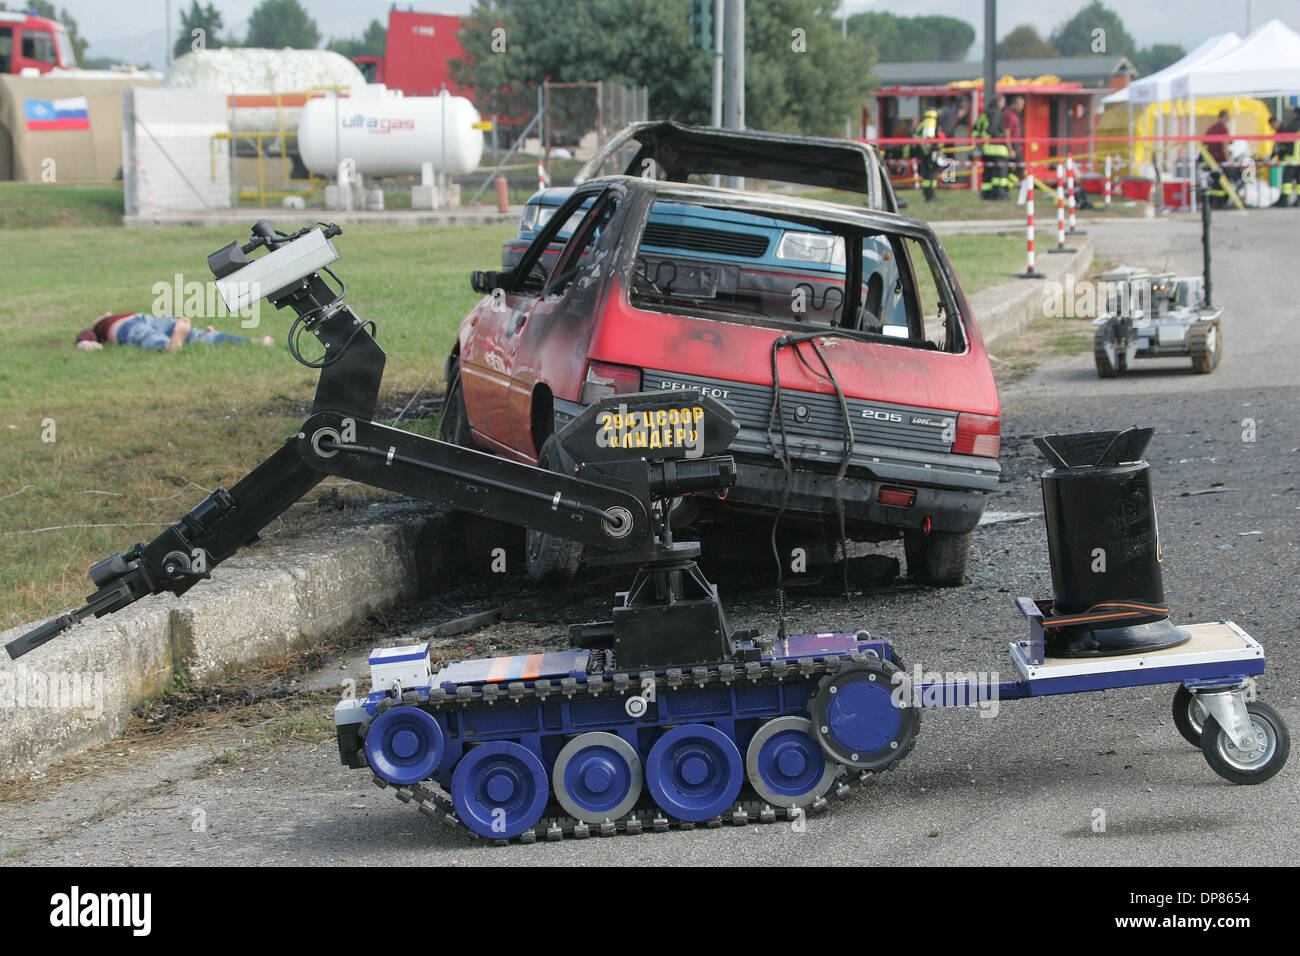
839,336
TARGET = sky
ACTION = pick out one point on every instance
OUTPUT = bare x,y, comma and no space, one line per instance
133,30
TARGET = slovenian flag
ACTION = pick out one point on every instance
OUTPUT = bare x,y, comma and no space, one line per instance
71,113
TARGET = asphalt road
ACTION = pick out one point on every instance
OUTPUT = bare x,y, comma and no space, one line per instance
1025,786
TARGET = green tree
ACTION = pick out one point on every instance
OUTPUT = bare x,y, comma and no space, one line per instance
511,46
206,18
1157,56
800,75
1024,42
1094,29
279,23
43,8
372,42
909,39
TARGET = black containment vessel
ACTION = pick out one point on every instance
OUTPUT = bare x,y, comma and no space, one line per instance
1104,544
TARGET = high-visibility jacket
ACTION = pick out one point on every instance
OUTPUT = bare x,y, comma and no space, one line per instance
989,127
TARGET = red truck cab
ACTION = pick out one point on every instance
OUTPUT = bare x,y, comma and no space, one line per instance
31,42
417,52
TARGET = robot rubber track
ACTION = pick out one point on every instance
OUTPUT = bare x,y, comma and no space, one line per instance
646,816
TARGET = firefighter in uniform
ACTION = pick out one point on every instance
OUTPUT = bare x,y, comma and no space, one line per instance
990,131
1289,155
928,153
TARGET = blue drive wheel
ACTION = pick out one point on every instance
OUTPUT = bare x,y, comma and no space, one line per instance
597,777
694,772
404,745
500,789
786,765
864,716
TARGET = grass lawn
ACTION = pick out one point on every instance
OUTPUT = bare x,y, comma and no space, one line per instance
133,429
30,205
982,261
139,437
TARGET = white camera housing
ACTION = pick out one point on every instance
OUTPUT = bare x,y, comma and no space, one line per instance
275,270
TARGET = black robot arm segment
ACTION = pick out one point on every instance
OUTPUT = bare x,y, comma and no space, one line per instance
476,482
332,444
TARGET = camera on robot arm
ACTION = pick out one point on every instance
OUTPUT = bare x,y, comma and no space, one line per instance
290,275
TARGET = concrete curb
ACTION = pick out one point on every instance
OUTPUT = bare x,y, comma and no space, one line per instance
1006,310
268,602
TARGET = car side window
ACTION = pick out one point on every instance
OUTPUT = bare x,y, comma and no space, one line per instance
930,312
582,260
539,261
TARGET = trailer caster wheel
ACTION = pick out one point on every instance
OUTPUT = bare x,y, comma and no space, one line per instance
1189,716
1248,766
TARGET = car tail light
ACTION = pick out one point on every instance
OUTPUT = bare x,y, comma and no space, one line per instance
605,379
978,435
898,497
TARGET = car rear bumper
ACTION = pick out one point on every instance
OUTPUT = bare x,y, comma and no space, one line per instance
952,500
761,485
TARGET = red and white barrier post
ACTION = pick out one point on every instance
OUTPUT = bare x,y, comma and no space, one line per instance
1108,187
1069,188
976,174
541,174
1029,272
1060,211
916,173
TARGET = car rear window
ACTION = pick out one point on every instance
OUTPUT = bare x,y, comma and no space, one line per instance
726,264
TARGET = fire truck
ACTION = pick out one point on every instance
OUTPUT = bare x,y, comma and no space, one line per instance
29,42
417,53
1052,109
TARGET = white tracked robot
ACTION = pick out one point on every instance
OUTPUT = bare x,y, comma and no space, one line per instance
1158,315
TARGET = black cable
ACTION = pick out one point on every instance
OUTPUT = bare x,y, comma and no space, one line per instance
843,469
776,411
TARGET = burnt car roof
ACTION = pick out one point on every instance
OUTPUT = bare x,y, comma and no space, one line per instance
786,207
680,150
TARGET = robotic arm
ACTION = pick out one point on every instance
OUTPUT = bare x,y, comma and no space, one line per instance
607,503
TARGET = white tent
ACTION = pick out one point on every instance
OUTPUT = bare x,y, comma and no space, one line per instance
1266,63
1155,88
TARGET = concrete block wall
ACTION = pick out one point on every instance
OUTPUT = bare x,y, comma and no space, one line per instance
170,161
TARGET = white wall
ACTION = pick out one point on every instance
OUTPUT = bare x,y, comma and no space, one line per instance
168,150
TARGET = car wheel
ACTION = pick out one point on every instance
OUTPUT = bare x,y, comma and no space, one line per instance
938,558
550,559
454,427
